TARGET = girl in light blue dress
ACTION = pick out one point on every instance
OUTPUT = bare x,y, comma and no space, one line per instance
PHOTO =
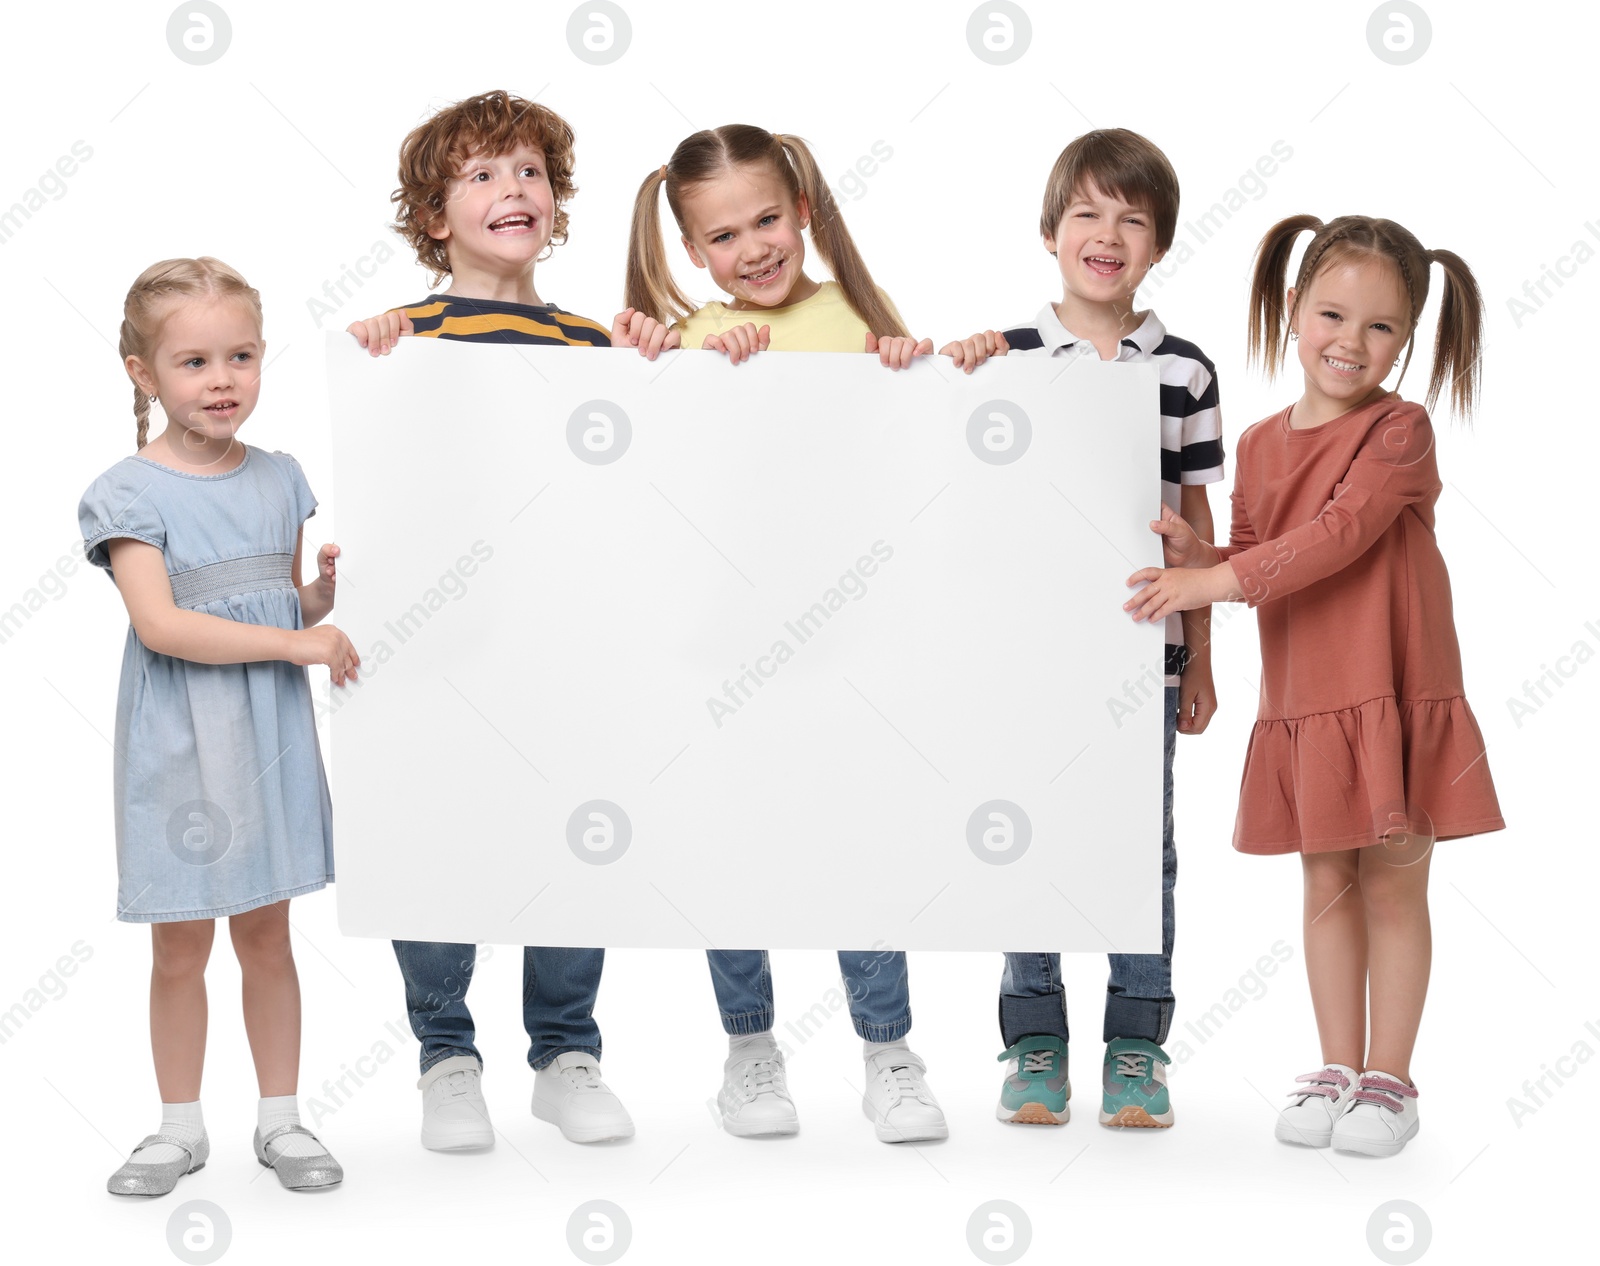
220,797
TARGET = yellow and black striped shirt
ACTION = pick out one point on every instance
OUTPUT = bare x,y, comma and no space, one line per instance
496,321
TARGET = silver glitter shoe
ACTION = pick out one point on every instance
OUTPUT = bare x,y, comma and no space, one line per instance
299,1173
137,1178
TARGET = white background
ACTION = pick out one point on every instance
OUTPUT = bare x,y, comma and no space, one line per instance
279,158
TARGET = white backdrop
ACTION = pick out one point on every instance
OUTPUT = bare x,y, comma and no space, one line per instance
735,630
279,156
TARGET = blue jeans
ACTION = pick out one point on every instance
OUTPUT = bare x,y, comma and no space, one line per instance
1138,995
875,982
558,992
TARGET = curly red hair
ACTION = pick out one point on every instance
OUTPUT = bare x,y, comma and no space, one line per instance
491,123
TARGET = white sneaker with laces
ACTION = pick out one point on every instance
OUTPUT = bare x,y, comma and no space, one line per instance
454,1115
1309,1120
754,1098
568,1092
902,1108
1381,1118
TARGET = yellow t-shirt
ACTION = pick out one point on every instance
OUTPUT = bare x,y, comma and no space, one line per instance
823,323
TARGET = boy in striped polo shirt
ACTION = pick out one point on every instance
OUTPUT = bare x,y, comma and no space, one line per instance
482,185
1110,214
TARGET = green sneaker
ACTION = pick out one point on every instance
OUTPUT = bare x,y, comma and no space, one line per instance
1036,1088
1135,1084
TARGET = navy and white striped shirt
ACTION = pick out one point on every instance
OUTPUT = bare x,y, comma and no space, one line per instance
1191,422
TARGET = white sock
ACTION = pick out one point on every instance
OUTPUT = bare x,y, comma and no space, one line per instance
285,1110
751,1045
181,1121
875,1048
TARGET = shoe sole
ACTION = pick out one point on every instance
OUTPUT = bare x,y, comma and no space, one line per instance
890,1134
447,1141
1033,1114
593,1134
1375,1147
1132,1116
1302,1138
763,1129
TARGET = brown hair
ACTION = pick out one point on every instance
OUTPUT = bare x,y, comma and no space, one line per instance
1122,164
150,299
1458,342
492,123
704,157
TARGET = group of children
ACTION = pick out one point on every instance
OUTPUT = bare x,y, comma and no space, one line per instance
1364,752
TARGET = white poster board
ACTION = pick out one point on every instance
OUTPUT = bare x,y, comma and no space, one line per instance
798,653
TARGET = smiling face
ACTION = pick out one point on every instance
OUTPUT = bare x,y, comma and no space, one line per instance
206,368
498,215
745,227
1353,321
1104,247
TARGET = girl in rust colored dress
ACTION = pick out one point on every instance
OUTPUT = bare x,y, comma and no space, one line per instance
1364,751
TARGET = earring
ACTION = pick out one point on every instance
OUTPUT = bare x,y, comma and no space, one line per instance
1294,337
1396,360
153,399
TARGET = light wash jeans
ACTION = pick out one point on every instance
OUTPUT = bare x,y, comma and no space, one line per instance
875,982
1139,994
558,992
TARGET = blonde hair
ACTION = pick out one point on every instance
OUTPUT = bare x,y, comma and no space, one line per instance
1459,339
150,300
706,156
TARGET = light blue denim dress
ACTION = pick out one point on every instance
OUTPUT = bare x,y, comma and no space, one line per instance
221,801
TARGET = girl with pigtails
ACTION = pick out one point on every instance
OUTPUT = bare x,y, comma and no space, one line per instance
1365,752
741,197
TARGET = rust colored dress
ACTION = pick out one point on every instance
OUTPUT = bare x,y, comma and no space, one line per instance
1363,727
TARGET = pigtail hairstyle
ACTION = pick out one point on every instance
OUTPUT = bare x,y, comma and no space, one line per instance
1457,345
1268,317
836,246
148,302
704,157
649,286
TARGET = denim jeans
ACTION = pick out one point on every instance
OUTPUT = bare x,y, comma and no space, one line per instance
875,981
1139,993
558,992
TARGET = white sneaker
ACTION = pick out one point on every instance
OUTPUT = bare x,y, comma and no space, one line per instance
568,1092
902,1108
1309,1120
754,1098
1381,1119
454,1115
